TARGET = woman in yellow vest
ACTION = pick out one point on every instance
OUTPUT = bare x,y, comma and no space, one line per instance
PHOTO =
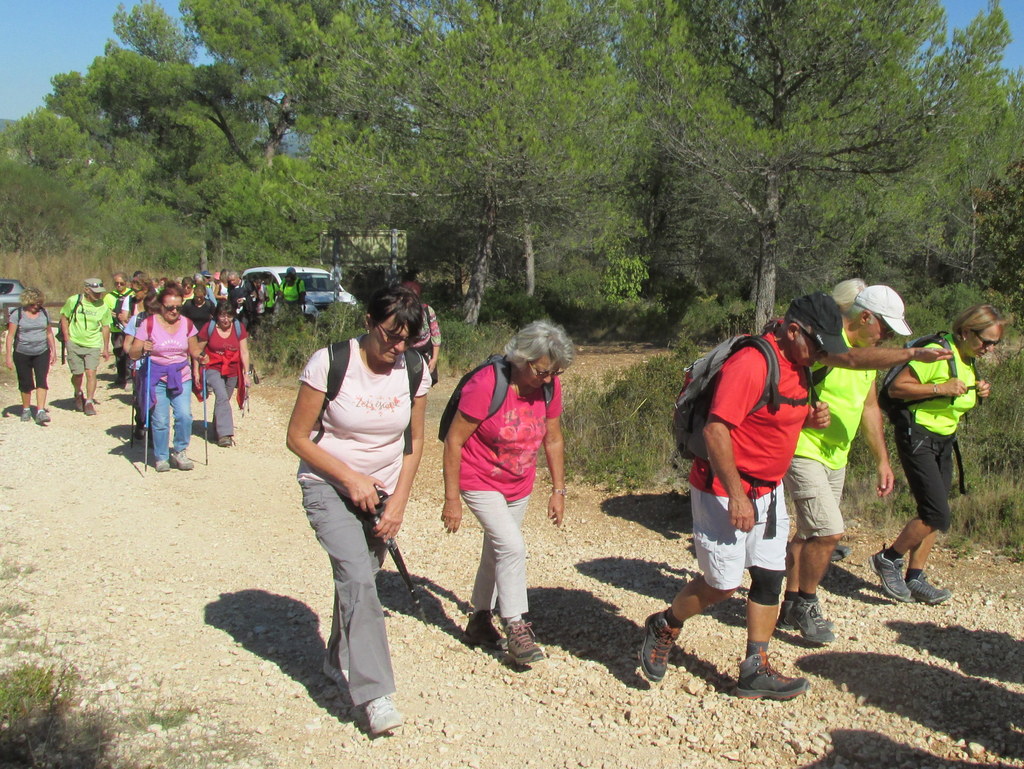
935,400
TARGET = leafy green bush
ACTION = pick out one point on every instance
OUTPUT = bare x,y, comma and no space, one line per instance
286,339
505,303
463,345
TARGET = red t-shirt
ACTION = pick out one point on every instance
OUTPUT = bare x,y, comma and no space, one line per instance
220,344
763,442
501,454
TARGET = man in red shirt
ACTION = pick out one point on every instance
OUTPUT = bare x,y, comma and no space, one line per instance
739,512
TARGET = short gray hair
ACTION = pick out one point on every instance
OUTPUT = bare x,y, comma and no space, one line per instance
538,339
846,293
230,274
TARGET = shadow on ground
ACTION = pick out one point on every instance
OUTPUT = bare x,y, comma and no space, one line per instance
859,748
987,653
939,699
666,514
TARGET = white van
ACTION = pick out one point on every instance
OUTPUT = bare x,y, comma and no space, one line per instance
321,288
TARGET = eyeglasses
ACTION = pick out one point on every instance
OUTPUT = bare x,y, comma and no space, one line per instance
987,342
171,307
393,337
815,344
120,283
544,373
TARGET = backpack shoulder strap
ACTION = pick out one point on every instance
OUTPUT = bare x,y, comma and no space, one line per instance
502,377
210,326
238,328
337,365
149,325
414,368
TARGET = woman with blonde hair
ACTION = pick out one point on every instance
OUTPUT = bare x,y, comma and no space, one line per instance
31,350
935,396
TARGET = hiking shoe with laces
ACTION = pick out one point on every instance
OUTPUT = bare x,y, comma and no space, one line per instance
79,401
181,461
382,715
805,616
924,591
783,622
840,553
891,575
225,442
521,646
759,679
163,466
659,638
42,417
26,415
480,630
89,408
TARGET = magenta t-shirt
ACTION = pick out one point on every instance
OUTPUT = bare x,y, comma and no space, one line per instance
169,349
501,454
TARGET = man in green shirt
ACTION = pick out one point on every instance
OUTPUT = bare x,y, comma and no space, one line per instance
817,474
85,324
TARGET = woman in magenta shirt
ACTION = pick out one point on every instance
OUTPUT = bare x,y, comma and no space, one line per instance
170,341
491,462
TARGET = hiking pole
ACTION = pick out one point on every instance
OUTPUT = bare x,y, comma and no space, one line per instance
396,556
206,425
145,436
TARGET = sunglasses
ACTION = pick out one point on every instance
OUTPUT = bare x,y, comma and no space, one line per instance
393,337
171,307
543,373
815,345
987,342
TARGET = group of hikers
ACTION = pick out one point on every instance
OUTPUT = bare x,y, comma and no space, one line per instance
358,429
778,413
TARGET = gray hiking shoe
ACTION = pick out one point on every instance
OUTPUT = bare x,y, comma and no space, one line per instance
181,461
26,415
759,679
783,622
42,417
163,466
925,592
521,644
891,575
840,553
382,715
659,638
806,617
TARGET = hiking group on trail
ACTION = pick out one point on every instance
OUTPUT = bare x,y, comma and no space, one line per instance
762,417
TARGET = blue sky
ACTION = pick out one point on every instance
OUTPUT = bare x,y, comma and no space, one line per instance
40,38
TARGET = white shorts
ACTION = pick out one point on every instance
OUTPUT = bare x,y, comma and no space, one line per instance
724,552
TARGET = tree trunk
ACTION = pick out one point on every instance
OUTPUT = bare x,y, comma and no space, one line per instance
528,257
481,263
202,256
768,253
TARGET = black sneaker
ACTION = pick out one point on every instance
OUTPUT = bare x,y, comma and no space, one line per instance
659,638
759,679
783,622
924,591
891,575
480,631
806,617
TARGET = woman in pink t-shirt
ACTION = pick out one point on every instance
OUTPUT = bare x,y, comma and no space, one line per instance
490,460
170,341
353,455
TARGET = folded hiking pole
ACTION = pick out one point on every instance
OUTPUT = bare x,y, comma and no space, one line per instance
396,556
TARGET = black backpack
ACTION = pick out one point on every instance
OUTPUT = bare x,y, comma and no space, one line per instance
338,357
690,414
896,408
502,377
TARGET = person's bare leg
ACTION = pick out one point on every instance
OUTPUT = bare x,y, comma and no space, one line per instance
912,537
815,558
793,562
761,621
90,384
695,598
919,555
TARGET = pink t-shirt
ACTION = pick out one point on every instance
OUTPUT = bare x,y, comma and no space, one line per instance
169,349
501,454
365,425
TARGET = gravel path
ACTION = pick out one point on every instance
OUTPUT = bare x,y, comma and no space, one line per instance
205,593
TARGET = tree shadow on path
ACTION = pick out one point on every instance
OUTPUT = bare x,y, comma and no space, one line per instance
666,514
861,748
988,653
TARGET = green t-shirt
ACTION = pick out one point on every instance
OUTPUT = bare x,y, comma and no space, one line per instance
844,390
942,415
85,322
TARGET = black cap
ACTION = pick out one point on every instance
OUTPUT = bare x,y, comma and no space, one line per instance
820,314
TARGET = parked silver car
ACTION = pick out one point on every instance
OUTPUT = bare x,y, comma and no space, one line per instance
10,295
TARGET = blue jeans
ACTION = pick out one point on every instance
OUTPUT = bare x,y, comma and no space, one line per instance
160,420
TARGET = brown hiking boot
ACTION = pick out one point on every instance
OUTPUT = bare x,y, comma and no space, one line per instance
480,630
659,638
79,401
89,408
521,646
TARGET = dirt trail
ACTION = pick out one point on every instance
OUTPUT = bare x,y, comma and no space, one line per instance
207,591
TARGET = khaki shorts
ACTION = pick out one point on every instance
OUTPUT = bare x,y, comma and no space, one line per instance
82,359
816,491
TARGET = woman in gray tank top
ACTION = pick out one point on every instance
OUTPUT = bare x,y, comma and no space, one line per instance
31,350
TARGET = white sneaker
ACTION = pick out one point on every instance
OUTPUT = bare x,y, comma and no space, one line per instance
382,715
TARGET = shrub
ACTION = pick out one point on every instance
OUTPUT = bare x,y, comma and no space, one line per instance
286,339
463,346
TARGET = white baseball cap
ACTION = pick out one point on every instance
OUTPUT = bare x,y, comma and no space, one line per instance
887,304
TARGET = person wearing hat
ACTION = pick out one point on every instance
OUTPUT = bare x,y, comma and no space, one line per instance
293,290
934,398
85,326
739,513
817,474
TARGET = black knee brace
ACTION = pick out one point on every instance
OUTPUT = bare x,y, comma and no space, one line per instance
765,585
